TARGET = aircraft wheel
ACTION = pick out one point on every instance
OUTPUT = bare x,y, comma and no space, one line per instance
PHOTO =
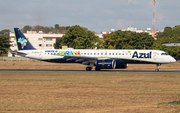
156,70
97,69
88,68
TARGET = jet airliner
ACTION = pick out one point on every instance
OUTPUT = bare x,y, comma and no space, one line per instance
101,59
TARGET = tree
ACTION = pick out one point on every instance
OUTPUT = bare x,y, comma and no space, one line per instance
56,26
46,29
5,32
38,28
58,44
79,38
26,28
167,32
169,35
4,44
127,40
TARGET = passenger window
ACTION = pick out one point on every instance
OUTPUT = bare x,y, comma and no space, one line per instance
101,53
88,54
98,54
109,53
113,54
119,53
94,53
123,54
105,53
116,54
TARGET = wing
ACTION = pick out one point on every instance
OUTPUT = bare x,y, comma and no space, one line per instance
86,60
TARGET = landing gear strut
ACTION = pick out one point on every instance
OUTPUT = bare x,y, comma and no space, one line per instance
157,67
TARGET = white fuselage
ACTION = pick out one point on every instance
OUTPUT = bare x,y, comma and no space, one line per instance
129,56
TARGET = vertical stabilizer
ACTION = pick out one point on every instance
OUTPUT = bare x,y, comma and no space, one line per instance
21,41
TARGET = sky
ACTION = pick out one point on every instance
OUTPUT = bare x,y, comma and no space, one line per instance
96,15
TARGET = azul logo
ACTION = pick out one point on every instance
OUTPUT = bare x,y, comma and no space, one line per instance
22,41
141,55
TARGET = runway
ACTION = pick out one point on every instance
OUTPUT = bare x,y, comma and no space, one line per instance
93,71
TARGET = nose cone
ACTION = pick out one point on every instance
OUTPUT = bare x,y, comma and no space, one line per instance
172,60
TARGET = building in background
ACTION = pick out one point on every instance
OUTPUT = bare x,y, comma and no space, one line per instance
132,29
38,40
171,43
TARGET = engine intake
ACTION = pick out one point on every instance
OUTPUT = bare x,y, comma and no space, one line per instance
106,64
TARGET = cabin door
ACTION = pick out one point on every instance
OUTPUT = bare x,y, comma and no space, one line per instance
154,55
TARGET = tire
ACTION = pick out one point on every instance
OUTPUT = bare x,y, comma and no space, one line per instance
88,68
97,69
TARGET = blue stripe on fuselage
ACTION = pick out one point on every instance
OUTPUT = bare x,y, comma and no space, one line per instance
64,60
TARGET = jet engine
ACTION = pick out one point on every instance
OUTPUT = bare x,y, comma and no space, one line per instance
106,64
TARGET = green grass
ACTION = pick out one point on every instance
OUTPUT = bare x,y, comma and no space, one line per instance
174,103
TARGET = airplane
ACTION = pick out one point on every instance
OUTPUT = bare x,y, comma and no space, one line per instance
101,59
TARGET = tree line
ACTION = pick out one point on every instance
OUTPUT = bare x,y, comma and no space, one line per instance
45,29
78,37
169,35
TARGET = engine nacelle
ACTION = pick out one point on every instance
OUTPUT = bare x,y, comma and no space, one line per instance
121,66
106,64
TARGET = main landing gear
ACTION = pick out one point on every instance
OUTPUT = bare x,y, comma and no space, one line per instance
89,68
157,67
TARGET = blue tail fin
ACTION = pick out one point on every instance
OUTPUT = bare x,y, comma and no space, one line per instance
21,41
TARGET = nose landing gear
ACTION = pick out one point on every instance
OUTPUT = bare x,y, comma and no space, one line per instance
157,67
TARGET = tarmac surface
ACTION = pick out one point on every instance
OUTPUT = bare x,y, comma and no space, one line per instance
93,71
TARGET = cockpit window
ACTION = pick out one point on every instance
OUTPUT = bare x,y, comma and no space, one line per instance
164,54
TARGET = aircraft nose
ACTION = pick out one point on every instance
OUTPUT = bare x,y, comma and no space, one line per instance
172,59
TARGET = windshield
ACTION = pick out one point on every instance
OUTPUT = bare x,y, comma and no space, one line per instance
164,54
